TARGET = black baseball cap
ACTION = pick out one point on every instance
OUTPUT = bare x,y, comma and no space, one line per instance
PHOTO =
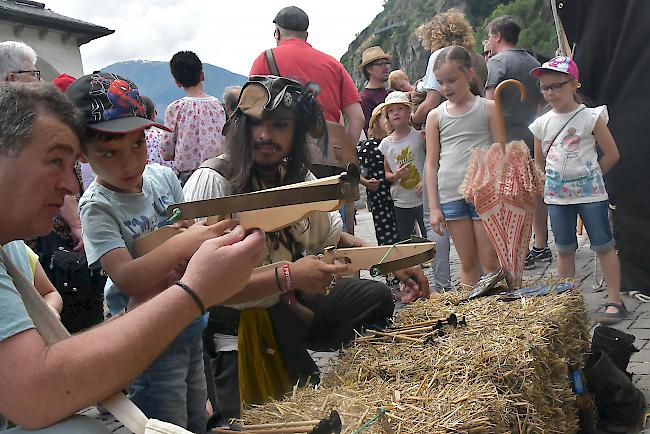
292,18
110,103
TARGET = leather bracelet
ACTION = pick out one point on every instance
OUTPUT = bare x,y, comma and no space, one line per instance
192,294
277,282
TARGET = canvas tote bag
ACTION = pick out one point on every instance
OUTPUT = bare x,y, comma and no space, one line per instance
53,331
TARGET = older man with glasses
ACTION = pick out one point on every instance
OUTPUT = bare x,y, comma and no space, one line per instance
18,62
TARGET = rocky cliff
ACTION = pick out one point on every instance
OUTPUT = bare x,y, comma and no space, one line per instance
394,30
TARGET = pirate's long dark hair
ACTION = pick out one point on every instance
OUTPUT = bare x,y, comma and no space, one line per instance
239,143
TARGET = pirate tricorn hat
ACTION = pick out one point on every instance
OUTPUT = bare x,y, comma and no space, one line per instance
271,97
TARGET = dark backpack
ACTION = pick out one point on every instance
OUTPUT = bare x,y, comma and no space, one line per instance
81,289
619,403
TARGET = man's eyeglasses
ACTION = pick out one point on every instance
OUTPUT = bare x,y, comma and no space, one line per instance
554,87
380,63
33,72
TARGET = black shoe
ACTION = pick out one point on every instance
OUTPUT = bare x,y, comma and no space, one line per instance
618,345
537,255
620,405
529,264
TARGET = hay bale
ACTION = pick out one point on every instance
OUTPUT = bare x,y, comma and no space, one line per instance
506,371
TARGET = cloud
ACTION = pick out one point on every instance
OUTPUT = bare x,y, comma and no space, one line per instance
227,34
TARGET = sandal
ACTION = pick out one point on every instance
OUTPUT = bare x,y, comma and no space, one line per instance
409,296
607,318
486,283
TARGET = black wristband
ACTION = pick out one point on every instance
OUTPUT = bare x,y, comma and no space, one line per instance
192,294
277,282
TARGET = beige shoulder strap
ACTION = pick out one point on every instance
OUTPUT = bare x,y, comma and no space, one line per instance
221,165
52,331
563,44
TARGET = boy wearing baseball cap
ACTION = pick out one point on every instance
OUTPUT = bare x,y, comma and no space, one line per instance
126,201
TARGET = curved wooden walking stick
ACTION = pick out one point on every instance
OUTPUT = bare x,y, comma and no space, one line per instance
270,210
501,122
341,151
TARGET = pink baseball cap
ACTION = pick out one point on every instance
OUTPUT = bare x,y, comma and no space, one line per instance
559,64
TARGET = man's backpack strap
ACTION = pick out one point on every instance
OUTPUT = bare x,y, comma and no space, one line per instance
270,61
220,165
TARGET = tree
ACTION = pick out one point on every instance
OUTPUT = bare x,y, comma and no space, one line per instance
537,29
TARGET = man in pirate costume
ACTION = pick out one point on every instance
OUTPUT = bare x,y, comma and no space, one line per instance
267,147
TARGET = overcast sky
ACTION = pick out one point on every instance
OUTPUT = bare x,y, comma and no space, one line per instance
229,34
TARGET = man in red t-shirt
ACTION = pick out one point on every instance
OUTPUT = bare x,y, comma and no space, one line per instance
296,59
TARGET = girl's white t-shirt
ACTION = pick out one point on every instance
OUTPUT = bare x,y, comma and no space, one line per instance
409,150
573,174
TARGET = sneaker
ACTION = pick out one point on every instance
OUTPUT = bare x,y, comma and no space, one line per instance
537,255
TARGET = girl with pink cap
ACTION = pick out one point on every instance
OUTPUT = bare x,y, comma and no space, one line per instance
566,141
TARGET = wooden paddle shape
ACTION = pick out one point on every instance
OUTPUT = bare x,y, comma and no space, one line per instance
345,152
340,150
501,122
268,219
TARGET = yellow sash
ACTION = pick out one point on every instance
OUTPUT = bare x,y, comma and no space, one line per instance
262,375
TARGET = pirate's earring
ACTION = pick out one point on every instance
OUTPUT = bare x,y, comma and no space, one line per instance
578,85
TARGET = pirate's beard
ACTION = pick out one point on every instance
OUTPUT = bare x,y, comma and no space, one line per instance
267,164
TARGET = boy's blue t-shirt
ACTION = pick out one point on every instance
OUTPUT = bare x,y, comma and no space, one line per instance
112,220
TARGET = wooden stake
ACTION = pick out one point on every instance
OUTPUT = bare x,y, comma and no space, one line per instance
394,336
311,423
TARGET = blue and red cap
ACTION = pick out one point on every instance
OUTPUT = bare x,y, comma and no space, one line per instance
110,103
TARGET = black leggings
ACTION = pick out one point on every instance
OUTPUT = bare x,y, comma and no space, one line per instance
406,219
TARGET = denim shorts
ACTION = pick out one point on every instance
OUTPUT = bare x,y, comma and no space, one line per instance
595,219
459,210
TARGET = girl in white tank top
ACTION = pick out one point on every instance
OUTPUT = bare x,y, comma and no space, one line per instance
457,127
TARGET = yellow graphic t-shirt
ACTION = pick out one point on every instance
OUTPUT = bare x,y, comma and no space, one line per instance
406,157
410,152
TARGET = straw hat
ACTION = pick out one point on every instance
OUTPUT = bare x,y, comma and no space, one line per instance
373,53
397,97
376,112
